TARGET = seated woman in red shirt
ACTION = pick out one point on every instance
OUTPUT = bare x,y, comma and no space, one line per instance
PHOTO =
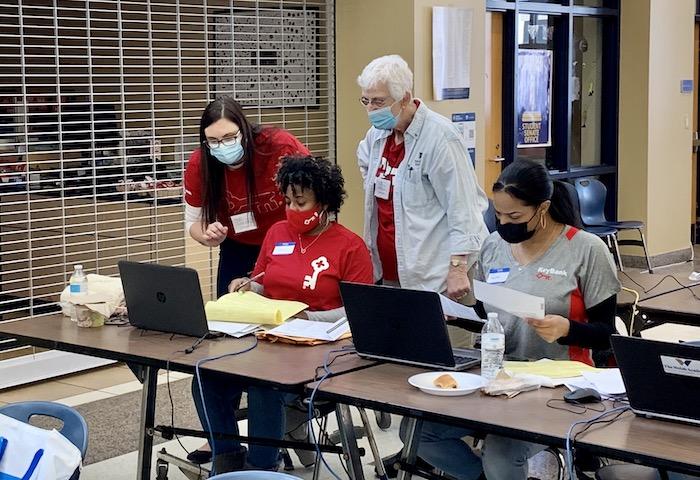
304,258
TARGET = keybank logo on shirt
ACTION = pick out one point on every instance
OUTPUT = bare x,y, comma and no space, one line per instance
547,273
318,265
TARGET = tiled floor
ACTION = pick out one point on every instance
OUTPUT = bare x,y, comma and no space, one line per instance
117,379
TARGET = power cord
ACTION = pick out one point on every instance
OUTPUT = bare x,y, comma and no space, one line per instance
590,422
686,287
327,373
198,377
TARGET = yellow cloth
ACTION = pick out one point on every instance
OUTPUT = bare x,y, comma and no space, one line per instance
249,307
549,368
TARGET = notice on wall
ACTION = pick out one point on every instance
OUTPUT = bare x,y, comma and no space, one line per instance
466,126
534,98
452,32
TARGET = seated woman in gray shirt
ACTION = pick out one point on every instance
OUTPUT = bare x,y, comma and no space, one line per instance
548,256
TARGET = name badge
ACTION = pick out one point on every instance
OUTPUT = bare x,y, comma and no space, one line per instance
244,222
382,187
284,248
498,275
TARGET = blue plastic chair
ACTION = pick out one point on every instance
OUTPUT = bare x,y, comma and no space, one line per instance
254,475
607,233
74,427
591,195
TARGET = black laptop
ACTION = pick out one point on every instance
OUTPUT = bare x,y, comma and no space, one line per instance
662,379
163,298
402,325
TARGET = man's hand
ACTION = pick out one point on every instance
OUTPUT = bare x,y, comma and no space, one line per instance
458,285
551,328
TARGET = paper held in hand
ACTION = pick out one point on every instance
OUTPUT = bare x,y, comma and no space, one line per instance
517,303
249,307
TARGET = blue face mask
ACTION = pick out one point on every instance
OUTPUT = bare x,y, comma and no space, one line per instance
230,155
383,119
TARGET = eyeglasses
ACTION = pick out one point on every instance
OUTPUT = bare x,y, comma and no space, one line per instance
215,143
375,102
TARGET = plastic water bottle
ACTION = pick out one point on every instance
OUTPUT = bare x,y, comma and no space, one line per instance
78,281
493,345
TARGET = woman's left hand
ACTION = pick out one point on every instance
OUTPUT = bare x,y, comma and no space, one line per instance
551,328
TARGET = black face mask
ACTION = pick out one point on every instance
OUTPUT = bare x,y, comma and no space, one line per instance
515,232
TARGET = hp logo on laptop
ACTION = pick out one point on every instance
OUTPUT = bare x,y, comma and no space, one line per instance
160,296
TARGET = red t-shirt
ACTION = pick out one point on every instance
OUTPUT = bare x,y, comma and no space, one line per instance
386,233
270,145
337,254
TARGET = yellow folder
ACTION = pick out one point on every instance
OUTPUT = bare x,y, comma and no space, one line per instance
549,368
249,307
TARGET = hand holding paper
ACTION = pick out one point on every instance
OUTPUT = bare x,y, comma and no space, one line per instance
551,328
512,301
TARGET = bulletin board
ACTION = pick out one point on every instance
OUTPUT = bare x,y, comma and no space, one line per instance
269,60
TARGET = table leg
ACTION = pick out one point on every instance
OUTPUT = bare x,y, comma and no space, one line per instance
148,411
347,436
410,447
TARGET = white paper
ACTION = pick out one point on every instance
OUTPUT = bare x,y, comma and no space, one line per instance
310,329
607,381
454,309
452,32
237,330
517,303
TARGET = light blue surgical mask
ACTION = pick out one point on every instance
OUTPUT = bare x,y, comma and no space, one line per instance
230,155
382,118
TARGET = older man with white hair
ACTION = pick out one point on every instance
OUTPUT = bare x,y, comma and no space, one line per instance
423,205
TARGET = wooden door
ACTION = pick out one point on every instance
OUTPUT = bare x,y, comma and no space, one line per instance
494,98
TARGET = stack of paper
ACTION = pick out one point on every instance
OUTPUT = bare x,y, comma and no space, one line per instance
607,381
308,329
249,307
237,330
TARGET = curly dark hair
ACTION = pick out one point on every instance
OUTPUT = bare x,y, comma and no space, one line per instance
315,173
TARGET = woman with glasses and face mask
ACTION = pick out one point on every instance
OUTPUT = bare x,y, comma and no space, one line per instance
231,198
423,204
542,251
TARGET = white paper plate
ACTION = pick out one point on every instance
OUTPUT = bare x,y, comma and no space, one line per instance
466,383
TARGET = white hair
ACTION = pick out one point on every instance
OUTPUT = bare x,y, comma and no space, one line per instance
391,70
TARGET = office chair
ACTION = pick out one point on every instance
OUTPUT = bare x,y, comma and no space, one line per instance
490,217
605,232
74,427
254,475
591,195
629,471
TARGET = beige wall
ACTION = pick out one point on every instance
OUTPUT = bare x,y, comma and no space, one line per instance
367,29
656,119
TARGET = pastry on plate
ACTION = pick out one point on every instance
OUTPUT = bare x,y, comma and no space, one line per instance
445,381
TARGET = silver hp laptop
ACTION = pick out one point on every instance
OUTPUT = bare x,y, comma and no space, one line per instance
662,379
400,325
163,298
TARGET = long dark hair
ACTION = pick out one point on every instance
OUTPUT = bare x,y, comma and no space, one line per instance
213,171
529,181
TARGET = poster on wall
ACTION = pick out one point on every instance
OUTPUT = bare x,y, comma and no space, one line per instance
534,98
465,123
452,33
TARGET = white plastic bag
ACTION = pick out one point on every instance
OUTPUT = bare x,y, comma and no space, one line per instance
55,456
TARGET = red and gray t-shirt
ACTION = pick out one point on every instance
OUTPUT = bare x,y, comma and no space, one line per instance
576,273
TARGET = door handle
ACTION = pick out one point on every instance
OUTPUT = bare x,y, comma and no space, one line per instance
497,159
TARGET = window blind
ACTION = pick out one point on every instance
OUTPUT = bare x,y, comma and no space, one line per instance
100,103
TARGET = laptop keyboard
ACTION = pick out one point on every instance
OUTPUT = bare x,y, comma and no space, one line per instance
462,359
